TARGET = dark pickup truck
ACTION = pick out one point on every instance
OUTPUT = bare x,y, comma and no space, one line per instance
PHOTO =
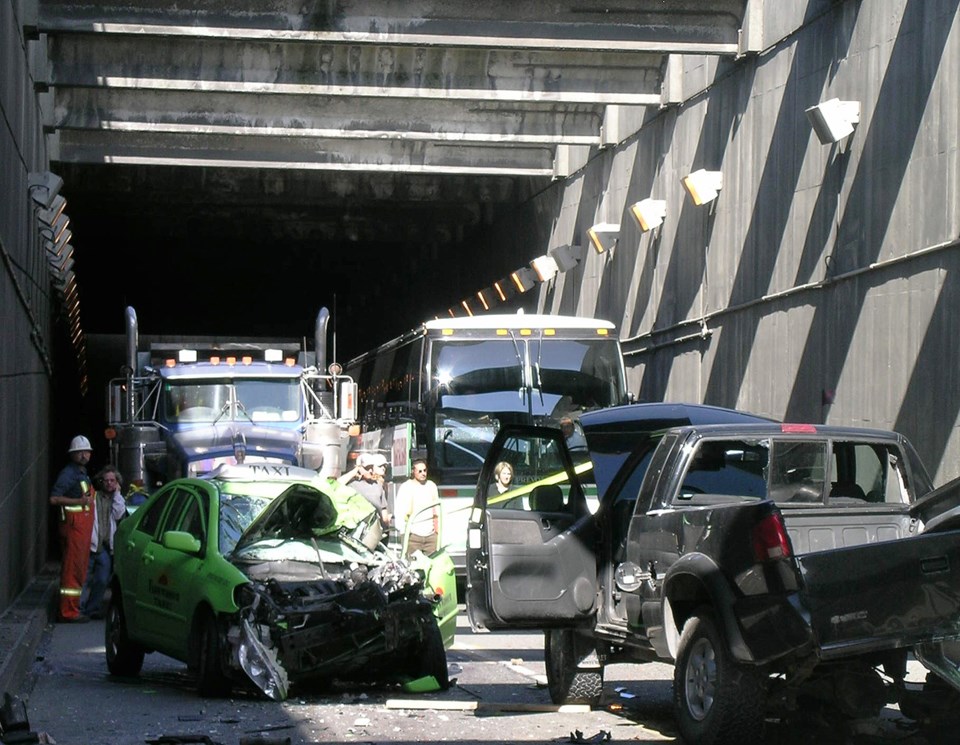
779,566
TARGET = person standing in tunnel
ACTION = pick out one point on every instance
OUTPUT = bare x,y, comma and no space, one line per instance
73,495
109,507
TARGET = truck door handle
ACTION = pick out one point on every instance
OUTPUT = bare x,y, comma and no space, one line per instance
147,558
934,565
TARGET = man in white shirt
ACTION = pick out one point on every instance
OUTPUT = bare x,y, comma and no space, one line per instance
109,507
417,505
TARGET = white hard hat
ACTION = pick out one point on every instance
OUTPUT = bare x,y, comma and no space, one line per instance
79,443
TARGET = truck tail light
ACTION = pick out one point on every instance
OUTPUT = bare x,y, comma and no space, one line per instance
770,539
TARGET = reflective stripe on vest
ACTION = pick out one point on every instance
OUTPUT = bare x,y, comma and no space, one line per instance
70,591
74,508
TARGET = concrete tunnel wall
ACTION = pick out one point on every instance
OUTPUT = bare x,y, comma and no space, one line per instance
29,324
821,273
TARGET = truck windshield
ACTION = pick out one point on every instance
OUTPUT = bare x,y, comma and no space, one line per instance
254,400
481,384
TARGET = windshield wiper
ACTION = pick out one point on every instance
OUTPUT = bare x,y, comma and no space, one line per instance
520,364
539,357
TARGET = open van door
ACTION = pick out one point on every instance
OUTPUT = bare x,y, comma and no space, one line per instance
531,558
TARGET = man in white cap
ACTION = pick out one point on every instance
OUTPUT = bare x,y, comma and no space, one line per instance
367,479
73,494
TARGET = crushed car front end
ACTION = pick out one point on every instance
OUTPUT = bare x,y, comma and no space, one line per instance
323,605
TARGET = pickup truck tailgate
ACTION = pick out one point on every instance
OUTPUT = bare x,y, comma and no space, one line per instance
883,595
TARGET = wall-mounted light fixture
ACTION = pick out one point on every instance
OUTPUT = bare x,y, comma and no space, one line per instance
567,257
485,297
834,119
55,248
523,279
703,186
54,231
504,289
43,188
465,304
545,267
649,213
603,236
48,217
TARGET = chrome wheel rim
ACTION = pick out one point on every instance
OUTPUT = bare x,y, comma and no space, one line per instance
700,679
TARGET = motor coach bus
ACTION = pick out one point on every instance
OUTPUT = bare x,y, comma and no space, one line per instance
444,389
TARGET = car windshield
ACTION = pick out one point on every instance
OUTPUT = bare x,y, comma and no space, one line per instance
237,512
543,377
248,400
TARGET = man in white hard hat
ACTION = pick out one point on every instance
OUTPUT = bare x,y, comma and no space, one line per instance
73,494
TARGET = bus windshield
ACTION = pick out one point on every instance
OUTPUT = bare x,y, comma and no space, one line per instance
210,400
478,385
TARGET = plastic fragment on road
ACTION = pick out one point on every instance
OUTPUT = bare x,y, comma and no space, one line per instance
601,736
426,684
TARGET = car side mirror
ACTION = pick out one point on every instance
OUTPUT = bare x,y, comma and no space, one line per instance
178,540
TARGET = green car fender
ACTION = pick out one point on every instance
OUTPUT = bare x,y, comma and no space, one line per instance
440,584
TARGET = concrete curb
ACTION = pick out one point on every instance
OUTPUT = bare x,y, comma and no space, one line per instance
22,626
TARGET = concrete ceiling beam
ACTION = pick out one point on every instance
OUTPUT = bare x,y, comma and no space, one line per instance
109,184
356,71
329,117
101,146
691,26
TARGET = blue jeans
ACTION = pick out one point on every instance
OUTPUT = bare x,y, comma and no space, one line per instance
98,575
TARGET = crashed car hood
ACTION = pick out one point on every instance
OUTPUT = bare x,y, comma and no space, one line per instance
303,512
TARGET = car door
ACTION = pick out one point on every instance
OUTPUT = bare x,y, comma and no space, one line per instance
531,550
130,557
166,574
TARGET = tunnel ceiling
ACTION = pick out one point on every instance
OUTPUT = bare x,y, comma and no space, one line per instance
248,159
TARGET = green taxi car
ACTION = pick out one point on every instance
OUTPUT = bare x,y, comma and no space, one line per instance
274,575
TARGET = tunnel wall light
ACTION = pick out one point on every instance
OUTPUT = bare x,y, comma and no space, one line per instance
504,289
43,187
486,298
834,119
567,257
545,267
55,249
49,216
57,230
465,304
703,186
603,236
523,279
649,213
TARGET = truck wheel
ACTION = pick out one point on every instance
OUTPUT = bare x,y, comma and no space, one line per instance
124,657
716,699
568,682
211,680
432,657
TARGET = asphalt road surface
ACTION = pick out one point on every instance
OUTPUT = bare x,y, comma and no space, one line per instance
498,696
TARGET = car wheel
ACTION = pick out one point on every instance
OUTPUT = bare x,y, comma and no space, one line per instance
567,680
211,680
124,657
716,699
432,658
